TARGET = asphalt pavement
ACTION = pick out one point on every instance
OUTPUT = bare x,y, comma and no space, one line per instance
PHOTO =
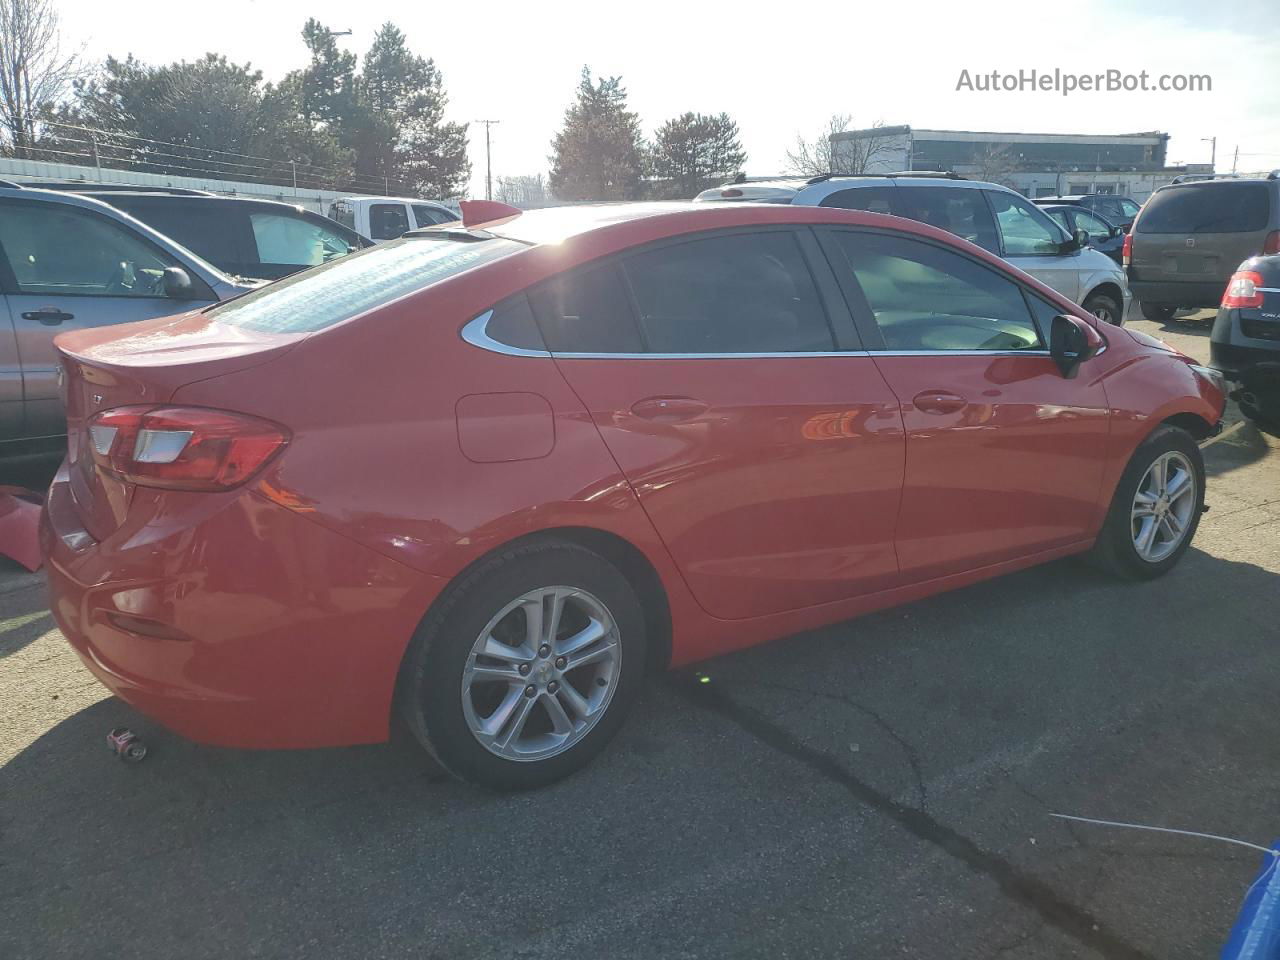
878,788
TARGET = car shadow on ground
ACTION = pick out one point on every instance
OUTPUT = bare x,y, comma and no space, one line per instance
323,843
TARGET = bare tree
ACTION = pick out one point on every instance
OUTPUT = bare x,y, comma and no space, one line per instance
996,164
521,191
34,70
852,155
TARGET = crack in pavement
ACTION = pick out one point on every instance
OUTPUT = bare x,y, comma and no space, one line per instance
908,751
1020,887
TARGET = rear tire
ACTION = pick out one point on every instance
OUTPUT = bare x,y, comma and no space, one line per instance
1104,308
1158,312
1152,521
549,617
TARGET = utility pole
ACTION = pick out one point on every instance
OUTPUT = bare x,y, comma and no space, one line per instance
1213,157
488,165
1236,159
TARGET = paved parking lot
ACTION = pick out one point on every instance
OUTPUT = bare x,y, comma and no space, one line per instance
878,788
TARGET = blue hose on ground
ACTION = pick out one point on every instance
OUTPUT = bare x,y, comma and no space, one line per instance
1256,935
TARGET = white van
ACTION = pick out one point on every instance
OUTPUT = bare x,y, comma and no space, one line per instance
385,218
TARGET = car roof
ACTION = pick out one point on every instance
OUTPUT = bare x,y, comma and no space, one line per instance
812,190
160,198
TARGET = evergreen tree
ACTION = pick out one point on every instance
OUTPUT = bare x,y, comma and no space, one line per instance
692,152
597,155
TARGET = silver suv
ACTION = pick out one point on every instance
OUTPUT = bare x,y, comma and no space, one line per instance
69,262
995,218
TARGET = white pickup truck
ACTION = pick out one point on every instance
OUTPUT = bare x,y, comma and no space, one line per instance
385,218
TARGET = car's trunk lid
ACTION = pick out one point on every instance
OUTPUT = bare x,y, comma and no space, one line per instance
142,363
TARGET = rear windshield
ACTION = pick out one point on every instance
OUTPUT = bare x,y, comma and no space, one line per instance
343,288
1207,208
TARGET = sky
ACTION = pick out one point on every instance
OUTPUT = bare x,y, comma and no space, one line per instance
777,71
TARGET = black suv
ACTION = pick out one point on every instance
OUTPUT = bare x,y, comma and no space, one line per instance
1119,210
258,239
1245,343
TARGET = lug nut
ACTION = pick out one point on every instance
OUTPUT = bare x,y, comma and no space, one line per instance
544,651
530,690
552,687
560,662
524,669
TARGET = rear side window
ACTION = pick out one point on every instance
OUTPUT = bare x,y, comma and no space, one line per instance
209,230
749,293
1221,207
351,285
342,212
512,323
956,210
429,216
296,241
387,220
872,199
587,311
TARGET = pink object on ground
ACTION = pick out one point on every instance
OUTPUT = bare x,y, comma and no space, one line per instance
19,528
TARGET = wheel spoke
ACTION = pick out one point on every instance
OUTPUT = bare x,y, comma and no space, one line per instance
602,652
1158,475
1146,536
498,650
522,711
588,635
560,721
1179,486
493,724
1173,525
576,702
483,672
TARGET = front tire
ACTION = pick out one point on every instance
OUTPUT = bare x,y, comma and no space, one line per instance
527,668
1104,308
1158,312
1156,508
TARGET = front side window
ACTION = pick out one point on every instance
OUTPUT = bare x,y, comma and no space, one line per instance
1060,218
57,249
926,298
343,288
343,213
429,216
743,293
1024,228
956,210
387,220
295,241
1097,229
1129,208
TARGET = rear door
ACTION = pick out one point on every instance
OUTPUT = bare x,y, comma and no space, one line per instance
71,268
1034,243
1200,232
718,371
10,370
961,211
1004,455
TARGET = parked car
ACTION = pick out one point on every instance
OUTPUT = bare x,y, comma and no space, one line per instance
1245,343
385,218
1190,236
484,477
1104,236
69,262
993,217
259,239
1121,211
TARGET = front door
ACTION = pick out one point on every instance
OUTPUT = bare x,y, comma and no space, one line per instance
69,268
1004,455
768,458
1034,243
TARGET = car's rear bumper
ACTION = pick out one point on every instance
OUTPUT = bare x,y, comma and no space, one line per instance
1178,293
252,626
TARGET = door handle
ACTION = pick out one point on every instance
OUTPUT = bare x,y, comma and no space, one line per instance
49,316
669,409
939,401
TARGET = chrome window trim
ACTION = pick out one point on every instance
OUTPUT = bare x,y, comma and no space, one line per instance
475,334
1267,289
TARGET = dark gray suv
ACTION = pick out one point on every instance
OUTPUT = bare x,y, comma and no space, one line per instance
1190,237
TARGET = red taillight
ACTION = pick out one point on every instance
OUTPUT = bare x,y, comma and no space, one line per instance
1242,290
183,448
1126,251
1272,243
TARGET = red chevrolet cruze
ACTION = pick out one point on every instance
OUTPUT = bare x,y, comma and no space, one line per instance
484,475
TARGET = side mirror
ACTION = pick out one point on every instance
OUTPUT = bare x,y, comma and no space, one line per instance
1117,231
178,285
1082,238
1072,341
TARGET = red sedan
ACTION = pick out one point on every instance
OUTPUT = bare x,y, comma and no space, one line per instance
484,475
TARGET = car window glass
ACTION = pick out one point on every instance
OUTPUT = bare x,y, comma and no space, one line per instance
343,213
1221,207
926,298
1059,217
351,285
874,199
586,311
960,211
1097,229
1129,208
1026,231
512,323
745,293
57,249
429,216
202,228
295,240
387,220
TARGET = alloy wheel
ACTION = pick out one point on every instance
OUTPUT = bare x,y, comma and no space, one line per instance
1163,506
541,673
